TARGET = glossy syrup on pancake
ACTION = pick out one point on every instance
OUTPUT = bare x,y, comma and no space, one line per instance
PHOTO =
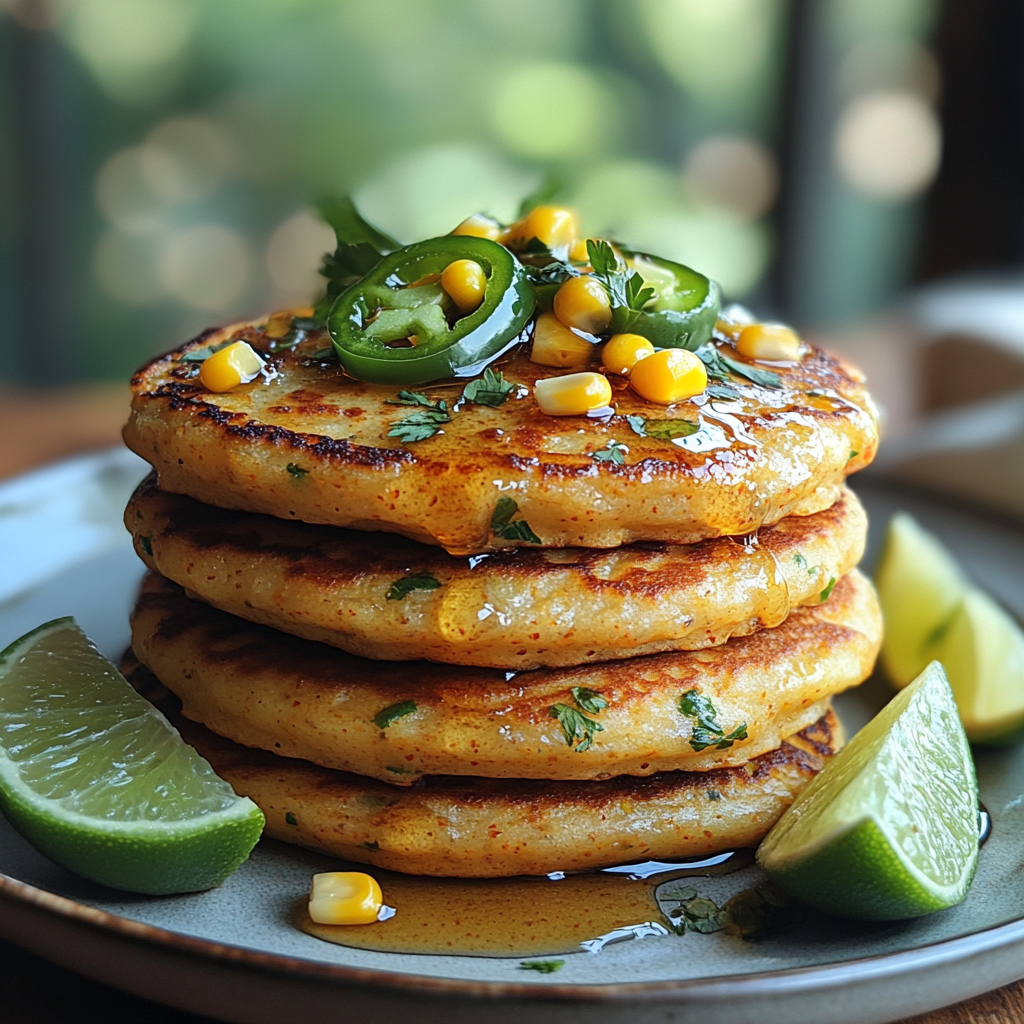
307,442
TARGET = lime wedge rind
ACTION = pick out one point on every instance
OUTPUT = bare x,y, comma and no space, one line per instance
168,824
888,830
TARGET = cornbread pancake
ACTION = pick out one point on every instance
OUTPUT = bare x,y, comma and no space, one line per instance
517,609
397,721
479,828
307,442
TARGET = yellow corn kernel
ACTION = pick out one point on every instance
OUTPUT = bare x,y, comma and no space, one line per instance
465,281
555,345
236,364
345,897
669,376
624,351
279,323
555,226
583,303
773,342
480,226
573,395
578,252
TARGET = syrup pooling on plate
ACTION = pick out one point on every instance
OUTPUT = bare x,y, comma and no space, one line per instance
521,916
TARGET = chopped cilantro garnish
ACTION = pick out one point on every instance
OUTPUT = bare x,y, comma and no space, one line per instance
626,289
800,560
502,525
419,425
664,430
372,847
392,713
406,584
698,914
853,455
146,543
614,453
200,355
296,470
578,729
542,966
589,700
721,391
713,794
707,732
290,818
827,592
491,389
720,368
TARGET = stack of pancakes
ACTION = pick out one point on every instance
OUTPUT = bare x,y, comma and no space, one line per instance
367,639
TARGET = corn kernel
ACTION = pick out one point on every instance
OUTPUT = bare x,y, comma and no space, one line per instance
345,897
465,281
236,364
573,395
578,252
480,226
555,226
624,351
669,376
773,342
555,345
583,303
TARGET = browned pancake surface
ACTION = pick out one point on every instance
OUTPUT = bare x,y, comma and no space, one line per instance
306,700
761,455
517,609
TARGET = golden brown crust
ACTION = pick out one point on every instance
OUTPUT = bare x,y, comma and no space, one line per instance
304,700
487,828
766,454
518,609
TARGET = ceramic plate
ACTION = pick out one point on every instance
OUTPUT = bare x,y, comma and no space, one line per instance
232,953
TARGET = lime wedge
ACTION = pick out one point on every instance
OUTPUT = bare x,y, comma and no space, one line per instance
920,586
100,782
889,829
982,651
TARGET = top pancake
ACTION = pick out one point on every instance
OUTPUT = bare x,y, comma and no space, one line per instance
312,444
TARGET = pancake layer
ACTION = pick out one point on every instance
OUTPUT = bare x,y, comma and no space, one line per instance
312,444
397,721
485,828
516,609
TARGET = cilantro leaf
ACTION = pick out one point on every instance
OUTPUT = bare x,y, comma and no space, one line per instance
614,453
664,430
827,592
707,731
491,389
407,584
626,289
542,966
502,525
200,355
146,543
589,700
419,425
721,391
392,713
800,560
290,818
372,847
720,367
577,728
295,470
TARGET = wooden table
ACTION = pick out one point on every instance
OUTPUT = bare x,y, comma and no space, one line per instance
41,427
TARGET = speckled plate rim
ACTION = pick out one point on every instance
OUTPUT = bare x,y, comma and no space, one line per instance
816,978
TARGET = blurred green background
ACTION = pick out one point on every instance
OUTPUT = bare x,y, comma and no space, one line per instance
158,158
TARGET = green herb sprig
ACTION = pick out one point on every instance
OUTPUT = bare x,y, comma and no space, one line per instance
386,716
578,729
542,966
721,368
491,389
626,289
419,425
664,430
502,525
707,732
614,453
827,592
405,585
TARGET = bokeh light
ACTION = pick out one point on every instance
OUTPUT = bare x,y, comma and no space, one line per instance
206,266
887,145
293,256
737,173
